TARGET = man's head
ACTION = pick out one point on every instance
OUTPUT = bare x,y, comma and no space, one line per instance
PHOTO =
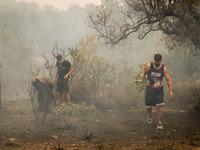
59,58
157,58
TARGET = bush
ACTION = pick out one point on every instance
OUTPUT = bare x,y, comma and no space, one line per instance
74,109
141,86
186,94
22,107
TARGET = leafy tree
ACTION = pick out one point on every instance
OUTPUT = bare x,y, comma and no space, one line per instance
91,72
19,25
182,58
116,20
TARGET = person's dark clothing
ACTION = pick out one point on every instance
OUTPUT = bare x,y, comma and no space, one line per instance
154,89
155,77
44,86
63,68
154,97
63,85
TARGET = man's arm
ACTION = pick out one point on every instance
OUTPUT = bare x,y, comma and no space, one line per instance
56,76
70,71
169,82
146,70
56,72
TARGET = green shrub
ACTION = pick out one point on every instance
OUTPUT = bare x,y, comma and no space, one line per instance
74,109
20,108
186,94
141,86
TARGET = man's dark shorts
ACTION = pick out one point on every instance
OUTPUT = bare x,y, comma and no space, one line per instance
154,97
63,85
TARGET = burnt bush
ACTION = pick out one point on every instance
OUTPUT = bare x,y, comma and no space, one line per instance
186,94
94,79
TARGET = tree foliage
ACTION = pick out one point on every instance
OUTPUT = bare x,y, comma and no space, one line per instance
116,20
91,72
27,31
181,59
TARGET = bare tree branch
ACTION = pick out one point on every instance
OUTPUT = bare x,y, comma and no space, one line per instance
113,26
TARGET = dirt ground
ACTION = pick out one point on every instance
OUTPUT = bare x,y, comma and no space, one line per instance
106,130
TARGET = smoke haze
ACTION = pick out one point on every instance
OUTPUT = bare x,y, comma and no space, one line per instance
27,32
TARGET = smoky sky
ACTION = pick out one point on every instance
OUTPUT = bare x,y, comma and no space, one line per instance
63,4
27,32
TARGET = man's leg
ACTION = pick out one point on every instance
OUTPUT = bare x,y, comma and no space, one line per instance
149,118
149,110
60,88
66,90
68,97
148,101
54,96
61,96
159,113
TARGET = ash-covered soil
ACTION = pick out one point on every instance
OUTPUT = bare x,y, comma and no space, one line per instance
106,130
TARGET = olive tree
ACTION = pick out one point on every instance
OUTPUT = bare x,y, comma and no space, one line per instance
116,20
91,71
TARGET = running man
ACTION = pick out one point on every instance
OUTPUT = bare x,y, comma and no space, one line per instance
63,72
154,87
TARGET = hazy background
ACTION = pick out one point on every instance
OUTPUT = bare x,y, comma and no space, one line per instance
30,29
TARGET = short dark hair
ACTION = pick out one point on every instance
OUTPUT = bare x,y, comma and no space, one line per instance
157,57
59,56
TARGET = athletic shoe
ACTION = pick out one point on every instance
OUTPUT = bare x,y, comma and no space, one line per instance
149,119
159,126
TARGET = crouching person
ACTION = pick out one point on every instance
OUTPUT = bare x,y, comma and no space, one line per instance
45,87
